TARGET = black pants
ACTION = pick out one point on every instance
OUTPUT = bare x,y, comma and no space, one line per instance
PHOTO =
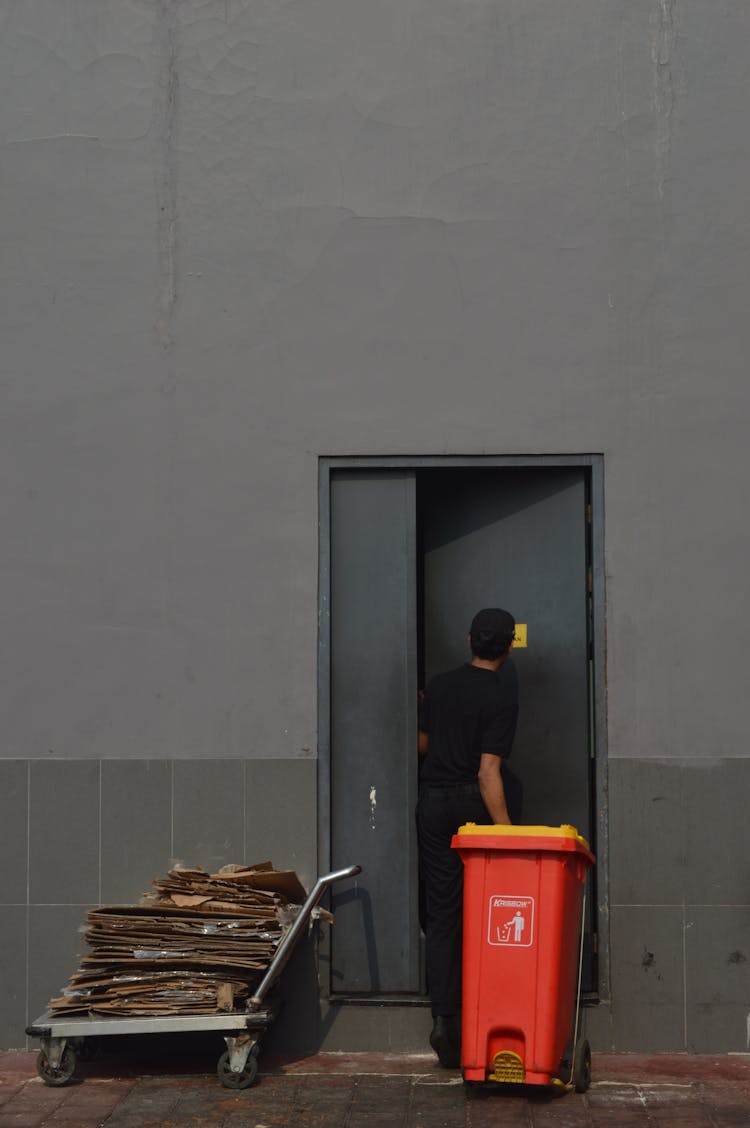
440,812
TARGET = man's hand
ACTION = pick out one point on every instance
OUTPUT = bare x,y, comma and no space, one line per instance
492,790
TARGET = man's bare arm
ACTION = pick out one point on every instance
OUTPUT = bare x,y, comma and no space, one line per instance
492,790
423,741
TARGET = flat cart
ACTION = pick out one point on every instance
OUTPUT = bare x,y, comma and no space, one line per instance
63,1038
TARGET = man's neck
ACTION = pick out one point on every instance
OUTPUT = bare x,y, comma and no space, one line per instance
487,663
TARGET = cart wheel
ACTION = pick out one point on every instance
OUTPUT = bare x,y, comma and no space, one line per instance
232,1080
64,1071
582,1067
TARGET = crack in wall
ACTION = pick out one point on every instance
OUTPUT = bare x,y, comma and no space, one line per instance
165,128
662,51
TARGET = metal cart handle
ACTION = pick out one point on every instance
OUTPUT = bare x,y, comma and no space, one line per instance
286,947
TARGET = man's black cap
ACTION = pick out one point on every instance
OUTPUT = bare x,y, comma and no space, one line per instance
493,623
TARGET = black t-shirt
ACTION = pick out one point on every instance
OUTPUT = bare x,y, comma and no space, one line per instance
466,712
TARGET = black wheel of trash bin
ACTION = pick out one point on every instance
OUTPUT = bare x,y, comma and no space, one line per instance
64,1071
232,1080
582,1066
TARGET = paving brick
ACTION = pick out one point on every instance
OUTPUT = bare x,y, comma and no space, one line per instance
9,1091
36,1099
567,1110
619,1118
20,1120
131,1120
97,1094
730,1116
75,1118
681,1118
615,1096
492,1108
433,1105
271,1101
386,1091
319,1102
280,1115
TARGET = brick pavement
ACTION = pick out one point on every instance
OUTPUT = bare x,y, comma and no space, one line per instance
376,1091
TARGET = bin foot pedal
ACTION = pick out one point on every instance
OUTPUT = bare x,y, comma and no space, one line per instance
508,1068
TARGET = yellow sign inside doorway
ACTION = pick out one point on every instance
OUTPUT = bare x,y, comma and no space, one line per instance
519,639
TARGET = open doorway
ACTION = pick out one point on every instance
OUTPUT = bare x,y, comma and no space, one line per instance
410,552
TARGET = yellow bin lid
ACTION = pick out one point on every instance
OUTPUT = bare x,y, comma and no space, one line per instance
564,831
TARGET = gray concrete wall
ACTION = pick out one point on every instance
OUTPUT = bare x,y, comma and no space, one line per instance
240,235
680,912
80,833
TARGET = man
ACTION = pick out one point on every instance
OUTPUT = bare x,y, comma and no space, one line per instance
466,729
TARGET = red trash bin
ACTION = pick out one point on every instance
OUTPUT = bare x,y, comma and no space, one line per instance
523,892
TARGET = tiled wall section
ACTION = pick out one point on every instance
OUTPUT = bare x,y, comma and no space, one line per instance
79,833
680,905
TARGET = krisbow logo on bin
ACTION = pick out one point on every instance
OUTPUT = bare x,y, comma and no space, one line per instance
511,921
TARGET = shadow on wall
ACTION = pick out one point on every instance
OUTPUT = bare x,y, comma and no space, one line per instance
301,1027
305,1020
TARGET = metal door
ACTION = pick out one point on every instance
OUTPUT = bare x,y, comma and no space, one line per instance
413,554
375,943
517,539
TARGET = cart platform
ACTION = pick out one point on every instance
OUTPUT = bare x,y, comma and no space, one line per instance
64,1037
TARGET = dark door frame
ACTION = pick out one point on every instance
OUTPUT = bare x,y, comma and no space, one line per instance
594,465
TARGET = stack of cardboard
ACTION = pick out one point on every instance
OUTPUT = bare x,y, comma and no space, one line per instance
199,944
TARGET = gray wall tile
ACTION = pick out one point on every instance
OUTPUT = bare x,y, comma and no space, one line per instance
14,820
647,833
230,810
209,800
12,976
281,815
64,829
136,826
717,944
715,803
56,945
677,832
647,978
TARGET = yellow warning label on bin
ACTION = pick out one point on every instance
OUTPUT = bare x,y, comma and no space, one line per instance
519,638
